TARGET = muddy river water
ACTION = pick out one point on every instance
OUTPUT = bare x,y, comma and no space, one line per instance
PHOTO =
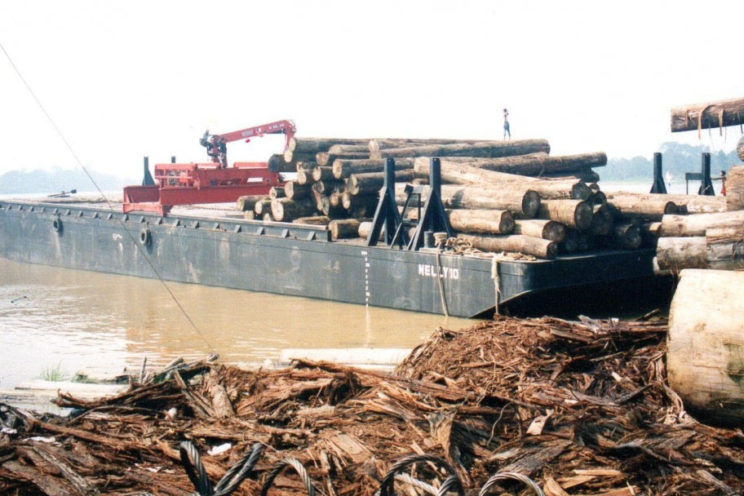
57,322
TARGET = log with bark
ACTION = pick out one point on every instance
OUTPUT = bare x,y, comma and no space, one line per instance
705,356
344,228
262,206
635,207
481,221
359,205
541,228
627,235
696,225
514,243
286,209
276,192
537,164
735,188
304,176
247,202
322,173
708,115
524,202
276,163
480,149
334,212
311,146
314,220
687,204
375,145
329,186
345,168
296,191
676,254
602,221
371,182
348,152
577,214
650,233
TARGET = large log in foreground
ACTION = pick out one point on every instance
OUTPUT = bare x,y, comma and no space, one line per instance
708,115
480,149
514,243
696,225
541,228
526,203
481,221
681,253
735,189
641,208
536,164
705,356
573,213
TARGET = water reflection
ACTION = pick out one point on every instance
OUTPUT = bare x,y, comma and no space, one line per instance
59,319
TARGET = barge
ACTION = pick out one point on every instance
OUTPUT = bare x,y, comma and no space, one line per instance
215,248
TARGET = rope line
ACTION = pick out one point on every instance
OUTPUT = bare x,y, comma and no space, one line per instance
131,237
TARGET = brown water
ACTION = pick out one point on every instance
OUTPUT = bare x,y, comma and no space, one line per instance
64,321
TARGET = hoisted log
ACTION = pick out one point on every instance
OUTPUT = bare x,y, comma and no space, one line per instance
361,184
681,253
705,355
515,243
296,191
524,202
537,164
286,209
344,228
541,228
573,213
708,115
345,168
481,221
632,206
735,188
696,225
480,149
247,202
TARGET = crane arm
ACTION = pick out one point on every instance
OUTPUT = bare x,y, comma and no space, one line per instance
216,143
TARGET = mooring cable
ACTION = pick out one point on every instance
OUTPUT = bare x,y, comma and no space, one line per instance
75,156
501,476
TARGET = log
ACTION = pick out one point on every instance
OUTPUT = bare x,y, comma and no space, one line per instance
740,148
262,206
602,221
315,220
690,204
355,202
541,228
344,228
325,207
365,227
481,149
276,163
573,213
248,202
267,217
467,174
345,168
516,243
632,206
681,253
628,235
481,221
705,355
323,174
296,191
305,166
725,255
347,152
707,115
361,184
375,145
276,192
696,225
537,164
304,176
315,145
328,187
286,209
650,233
735,188
526,203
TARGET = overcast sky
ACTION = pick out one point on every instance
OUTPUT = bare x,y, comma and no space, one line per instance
124,79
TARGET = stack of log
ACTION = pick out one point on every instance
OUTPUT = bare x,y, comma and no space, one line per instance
710,240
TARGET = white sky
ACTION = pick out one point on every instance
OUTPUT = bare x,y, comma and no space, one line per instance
130,78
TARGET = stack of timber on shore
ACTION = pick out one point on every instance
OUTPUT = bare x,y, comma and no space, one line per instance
577,407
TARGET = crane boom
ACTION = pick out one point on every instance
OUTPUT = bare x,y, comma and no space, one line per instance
216,143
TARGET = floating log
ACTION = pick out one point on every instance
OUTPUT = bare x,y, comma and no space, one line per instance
526,203
735,188
262,207
708,115
344,228
628,235
696,225
633,206
573,213
541,228
705,354
276,192
516,243
296,191
480,149
286,209
681,253
345,168
248,202
361,184
315,220
323,174
537,164
481,221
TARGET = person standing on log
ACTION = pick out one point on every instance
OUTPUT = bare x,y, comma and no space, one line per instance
507,131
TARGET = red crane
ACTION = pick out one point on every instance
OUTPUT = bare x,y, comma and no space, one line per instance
210,182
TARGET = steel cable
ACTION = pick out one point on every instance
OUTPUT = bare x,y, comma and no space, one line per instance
388,482
298,467
501,476
191,461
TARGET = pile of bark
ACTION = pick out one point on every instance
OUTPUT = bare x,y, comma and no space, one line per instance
578,407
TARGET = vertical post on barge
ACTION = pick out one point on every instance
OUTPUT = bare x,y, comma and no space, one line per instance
386,213
706,186
147,179
658,187
433,218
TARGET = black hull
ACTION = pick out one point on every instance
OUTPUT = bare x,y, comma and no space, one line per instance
290,260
